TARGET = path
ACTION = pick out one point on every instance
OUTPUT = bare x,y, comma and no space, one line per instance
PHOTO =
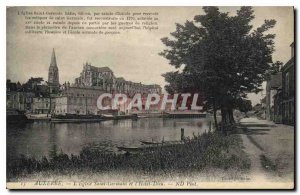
275,142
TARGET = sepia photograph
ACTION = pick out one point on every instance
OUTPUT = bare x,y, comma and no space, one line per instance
142,97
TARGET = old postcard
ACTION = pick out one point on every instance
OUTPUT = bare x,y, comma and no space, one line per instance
150,98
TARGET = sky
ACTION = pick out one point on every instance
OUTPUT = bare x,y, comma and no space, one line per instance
132,55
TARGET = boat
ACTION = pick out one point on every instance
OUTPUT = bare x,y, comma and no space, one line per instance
108,116
14,116
130,116
184,114
149,146
129,149
77,118
119,117
132,149
142,116
162,142
149,142
39,117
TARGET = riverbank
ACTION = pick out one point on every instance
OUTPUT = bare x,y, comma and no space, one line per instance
209,151
75,118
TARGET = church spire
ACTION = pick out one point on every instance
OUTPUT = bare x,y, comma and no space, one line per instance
53,59
53,75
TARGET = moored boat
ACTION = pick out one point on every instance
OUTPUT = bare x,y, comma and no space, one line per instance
149,146
162,142
76,118
129,149
39,117
14,116
149,142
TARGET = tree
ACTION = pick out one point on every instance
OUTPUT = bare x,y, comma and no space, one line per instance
274,69
31,84
244,106
220,56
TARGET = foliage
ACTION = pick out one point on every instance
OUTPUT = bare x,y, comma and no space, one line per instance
244,105
219,56
32,83
274,69
207,150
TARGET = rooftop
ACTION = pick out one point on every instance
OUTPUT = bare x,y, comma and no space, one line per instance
99,69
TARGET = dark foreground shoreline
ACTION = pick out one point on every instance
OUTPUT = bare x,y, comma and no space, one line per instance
209,150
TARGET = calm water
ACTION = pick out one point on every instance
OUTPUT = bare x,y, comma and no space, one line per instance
38,138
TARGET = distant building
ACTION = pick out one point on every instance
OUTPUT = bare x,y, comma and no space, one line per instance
288,90
41,105
11,86
53,75
278,107
92,82
83,100
78,100
262,112
104,79
19,100
92,76
273,98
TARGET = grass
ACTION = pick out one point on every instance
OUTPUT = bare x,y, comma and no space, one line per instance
212,149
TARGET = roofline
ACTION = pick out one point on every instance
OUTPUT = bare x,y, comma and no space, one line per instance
288,64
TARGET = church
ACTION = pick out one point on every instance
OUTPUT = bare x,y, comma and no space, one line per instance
53,76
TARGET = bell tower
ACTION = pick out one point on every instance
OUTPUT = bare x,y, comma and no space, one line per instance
53,76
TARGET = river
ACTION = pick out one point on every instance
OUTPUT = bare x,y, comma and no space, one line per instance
39,138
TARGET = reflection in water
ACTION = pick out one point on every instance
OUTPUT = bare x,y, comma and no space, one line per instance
42,138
